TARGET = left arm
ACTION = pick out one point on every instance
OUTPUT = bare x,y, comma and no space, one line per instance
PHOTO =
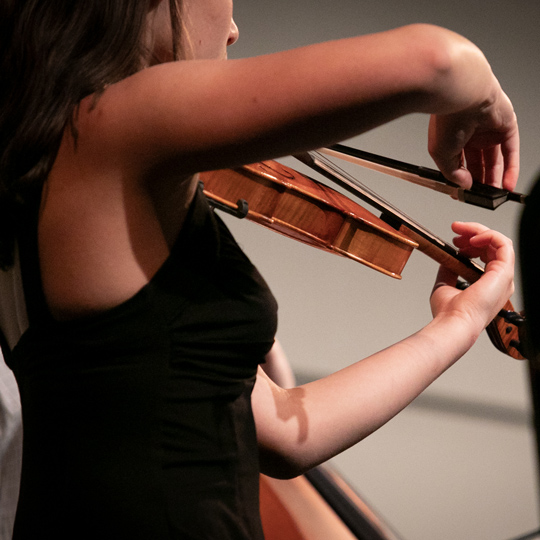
300,427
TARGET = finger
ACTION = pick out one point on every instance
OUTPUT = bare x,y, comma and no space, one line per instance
496,245
474,159
490,237
476,240
445,145
468,228
445,277
467,231
493,166
452,167
478,237
491,247
510,153
469,251
444,289
460,176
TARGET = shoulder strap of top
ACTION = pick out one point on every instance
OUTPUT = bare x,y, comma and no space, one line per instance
36,306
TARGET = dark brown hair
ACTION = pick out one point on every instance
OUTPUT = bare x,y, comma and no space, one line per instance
53,54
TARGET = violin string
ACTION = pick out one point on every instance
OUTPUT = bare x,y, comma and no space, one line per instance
326,167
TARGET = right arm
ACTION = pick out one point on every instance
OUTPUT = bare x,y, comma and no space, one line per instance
201,115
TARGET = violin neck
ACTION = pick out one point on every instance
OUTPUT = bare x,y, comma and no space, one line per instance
445,255
504,330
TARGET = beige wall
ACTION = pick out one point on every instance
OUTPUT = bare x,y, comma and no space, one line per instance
459,463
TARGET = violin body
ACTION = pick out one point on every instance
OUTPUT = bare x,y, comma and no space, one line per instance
292,204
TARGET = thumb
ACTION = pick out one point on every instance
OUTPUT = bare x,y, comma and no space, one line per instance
445,276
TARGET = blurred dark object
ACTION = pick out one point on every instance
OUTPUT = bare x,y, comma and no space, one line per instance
529,242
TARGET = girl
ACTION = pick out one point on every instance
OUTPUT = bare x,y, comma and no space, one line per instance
138,339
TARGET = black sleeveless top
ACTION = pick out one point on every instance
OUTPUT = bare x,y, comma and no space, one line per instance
138,421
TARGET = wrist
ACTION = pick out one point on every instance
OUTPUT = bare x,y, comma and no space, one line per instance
458,76
452,332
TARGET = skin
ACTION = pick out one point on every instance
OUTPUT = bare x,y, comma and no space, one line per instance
113,206
209,25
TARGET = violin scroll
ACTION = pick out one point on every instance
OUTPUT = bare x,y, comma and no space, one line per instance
507,331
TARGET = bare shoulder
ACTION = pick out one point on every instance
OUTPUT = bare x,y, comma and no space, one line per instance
104,229
149,120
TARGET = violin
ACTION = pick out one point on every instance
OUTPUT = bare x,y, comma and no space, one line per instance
288,202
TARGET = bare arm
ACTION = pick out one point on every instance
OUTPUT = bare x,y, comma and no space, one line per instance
211,114
301,427
278,368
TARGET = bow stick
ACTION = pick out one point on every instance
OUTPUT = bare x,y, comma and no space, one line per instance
481,195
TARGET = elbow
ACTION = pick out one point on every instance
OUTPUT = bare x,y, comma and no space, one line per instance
281,466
